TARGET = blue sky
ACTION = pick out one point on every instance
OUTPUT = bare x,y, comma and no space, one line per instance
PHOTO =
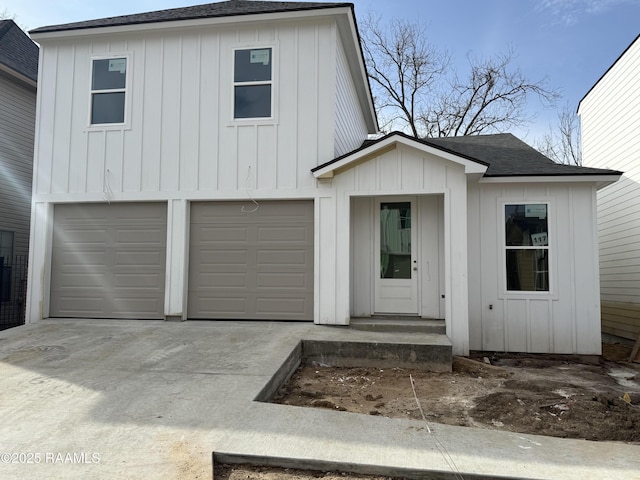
571,42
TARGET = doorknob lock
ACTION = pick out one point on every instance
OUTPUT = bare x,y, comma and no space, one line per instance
415,269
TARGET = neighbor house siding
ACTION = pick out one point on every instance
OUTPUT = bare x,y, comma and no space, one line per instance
563,320
181,135
351,127
17,120
610,120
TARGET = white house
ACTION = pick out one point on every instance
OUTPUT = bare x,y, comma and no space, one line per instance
212,162
610,121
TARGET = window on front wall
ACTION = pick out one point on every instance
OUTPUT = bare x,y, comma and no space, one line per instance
252,83
108,90
527,247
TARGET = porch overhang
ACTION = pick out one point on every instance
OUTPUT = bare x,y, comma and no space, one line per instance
391,142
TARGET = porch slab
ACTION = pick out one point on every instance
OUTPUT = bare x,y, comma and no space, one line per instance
398,324
98,399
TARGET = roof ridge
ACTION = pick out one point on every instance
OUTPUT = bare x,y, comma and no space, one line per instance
6,25
226,8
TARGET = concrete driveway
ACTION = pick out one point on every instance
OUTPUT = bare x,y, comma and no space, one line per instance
98,399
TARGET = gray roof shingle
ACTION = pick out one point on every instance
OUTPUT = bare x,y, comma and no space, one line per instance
210,10
17,50
504,154
508,156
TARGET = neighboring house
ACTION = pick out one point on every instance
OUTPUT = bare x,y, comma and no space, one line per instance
212,162
18,80
610,122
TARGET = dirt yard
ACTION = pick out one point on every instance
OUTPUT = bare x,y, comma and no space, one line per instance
553,395
559,396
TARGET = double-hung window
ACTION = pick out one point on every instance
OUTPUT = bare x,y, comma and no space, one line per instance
253,83
527,247
108,90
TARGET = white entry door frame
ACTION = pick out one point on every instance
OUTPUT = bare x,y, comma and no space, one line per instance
395,254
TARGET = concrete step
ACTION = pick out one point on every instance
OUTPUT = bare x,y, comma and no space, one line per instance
398,324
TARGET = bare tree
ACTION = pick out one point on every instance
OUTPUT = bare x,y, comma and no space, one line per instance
403,68
6,15
492,99
413,83
563,143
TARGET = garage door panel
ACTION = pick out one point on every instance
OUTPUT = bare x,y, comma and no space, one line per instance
284,257
80,259
285,234
281,280
83,280
276,306
78,306
109,260
138,280
140,236
244,264
125,306
220,234
218,281
139,258
221,306
217,258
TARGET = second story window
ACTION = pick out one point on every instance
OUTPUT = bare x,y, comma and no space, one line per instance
108,90
252,83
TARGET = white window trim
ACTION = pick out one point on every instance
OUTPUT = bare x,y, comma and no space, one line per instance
271,120
127,93
502,247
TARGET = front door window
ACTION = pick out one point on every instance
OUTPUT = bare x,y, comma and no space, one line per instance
395,240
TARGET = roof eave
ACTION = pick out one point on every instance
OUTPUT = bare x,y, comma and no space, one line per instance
18,76
600,179
187,23
359,70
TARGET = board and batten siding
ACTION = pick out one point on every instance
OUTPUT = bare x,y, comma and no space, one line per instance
564,320
610,121
17,125
181,136
351,127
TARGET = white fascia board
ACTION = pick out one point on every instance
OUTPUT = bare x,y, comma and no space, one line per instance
359,70
599,180
197,22
470,167
17,75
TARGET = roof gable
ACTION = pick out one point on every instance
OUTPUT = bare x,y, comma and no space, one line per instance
17,51
371,149
499,155
228,8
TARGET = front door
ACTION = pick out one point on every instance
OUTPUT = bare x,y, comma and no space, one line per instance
396,265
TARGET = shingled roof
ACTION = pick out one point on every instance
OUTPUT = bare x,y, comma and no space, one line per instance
508,156
504,155
211,10
17,50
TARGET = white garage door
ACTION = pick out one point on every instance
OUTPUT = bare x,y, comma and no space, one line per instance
109,260
251,265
